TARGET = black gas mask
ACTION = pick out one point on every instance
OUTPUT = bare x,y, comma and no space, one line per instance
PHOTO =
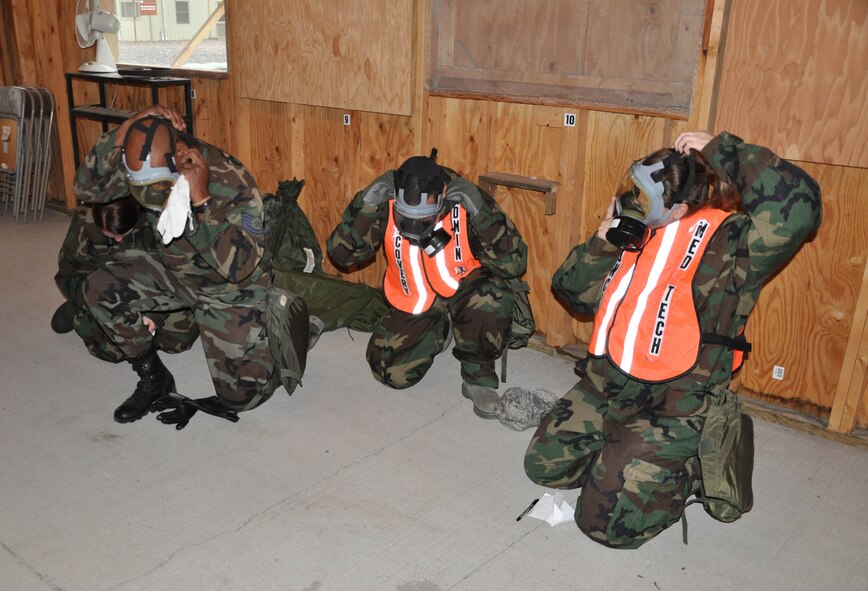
639,204
419,184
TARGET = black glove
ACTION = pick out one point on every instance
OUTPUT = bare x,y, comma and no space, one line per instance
178,410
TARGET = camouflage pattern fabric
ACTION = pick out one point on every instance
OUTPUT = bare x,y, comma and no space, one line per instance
523,408
629,444
219,269
176,332
403,346
85,249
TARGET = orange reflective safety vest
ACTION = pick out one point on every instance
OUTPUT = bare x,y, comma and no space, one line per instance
413,279
647,323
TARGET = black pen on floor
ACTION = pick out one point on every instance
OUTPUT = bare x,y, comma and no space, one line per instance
526,511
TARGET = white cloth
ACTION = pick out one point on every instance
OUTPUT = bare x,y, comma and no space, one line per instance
553,509
177,212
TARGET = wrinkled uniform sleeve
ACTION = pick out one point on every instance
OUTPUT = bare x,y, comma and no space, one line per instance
229,235
781,199
358,236
495,240
580,278
101,176
75,260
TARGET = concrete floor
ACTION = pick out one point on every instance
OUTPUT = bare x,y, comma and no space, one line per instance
347,485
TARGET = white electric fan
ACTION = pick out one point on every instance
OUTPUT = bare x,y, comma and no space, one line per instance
91,22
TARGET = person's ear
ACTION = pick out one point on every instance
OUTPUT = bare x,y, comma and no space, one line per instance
679,211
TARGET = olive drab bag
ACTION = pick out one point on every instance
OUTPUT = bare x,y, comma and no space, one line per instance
522,325
297,267
336,302
726,454
289,236
288,324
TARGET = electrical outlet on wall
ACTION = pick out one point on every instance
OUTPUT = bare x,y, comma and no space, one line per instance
777,372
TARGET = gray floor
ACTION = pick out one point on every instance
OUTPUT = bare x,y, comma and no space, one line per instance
347,485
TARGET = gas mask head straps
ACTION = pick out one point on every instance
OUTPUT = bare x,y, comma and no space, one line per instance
411,202
149,174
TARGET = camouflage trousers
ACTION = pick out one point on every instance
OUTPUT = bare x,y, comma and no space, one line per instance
633,471
231,323
176,332
403,346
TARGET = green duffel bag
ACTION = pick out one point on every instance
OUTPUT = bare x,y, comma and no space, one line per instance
337,303
726,454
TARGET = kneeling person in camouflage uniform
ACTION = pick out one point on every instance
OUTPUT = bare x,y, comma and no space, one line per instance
96,235
450,251
210,258
671,280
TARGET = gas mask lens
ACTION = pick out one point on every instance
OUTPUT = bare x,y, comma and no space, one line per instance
416,216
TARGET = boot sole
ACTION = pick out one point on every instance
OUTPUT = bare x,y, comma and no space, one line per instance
148,411
483,415
479,412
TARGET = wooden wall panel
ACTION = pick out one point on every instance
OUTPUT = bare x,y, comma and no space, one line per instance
342,53
850,407
270,143
462,132
794,78
211,112
527,143
804,316
862,369
330,170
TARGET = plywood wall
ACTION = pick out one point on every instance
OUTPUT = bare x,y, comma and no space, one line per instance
341,53
812,317
794,78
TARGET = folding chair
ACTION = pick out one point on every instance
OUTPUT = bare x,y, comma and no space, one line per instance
12,146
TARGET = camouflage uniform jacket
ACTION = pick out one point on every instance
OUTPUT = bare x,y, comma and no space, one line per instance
86,249
494,239
781,208
225,249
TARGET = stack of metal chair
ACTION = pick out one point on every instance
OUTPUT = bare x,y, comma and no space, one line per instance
26,121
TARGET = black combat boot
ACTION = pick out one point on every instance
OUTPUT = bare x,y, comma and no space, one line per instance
155,381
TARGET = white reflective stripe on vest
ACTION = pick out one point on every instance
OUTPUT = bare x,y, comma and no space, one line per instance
440,259
620,290
642,301
418,280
